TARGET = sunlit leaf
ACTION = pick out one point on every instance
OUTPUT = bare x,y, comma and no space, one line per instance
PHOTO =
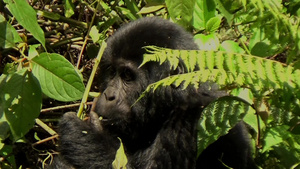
57,76
20,102
26,16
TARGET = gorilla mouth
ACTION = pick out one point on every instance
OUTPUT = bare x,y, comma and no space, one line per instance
104,119
107,121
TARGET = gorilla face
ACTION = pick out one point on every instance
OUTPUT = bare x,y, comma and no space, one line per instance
123,84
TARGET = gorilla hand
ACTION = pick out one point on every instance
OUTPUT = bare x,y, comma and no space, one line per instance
81,142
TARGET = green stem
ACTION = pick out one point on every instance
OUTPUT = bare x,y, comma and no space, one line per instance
89,84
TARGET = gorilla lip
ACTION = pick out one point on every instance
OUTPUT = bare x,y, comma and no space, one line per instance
102,118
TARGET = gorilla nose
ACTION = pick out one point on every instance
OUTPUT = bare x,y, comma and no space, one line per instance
110,95
110,98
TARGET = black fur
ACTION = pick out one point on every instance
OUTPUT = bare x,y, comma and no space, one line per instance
160,130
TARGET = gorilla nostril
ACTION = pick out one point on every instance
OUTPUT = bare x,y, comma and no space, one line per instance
111,98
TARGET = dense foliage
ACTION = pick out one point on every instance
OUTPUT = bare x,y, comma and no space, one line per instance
251,48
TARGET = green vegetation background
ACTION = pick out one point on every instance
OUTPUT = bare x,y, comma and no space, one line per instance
249,47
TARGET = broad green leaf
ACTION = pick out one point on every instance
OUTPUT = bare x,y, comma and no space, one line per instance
94,34
1,144
32,52
69,8
275,135
181,11
262,49
127,13
232,6
149,9
251,120
231,47
213,24
207,42
8,35
244,94
58,78
218,118
10,68
4,128
50,15
224,11
106,7
204,10
9,162
155,1
132,6
26,16
20,102
120,161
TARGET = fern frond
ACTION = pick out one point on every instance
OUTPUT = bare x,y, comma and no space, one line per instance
253,72
219,117
291,26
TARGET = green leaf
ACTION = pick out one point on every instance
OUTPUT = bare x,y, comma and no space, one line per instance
213,24
69,8
218,118
181,11
8,35
132,6
149,9
120,161
4,129
223,68
127,13
10,68
232,6
231,47
58,78
155,1
204,10
224,11
50,15
20,102
261,45
94,34
26,16
275,135
9,162
207,42
32,52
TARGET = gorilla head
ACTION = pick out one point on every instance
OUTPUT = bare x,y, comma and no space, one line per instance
122,81
159,131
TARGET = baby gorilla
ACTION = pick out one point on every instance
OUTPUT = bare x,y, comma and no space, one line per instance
160,130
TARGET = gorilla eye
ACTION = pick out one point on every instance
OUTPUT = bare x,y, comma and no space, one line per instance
127,75
111,72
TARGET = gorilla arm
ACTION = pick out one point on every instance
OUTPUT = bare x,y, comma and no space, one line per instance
84,144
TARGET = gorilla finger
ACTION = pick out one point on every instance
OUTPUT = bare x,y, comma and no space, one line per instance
70,121
95,122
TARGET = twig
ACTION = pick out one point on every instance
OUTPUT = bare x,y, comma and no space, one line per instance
57,17
89,84
87,36
45,140
66,41
45,127
63,107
